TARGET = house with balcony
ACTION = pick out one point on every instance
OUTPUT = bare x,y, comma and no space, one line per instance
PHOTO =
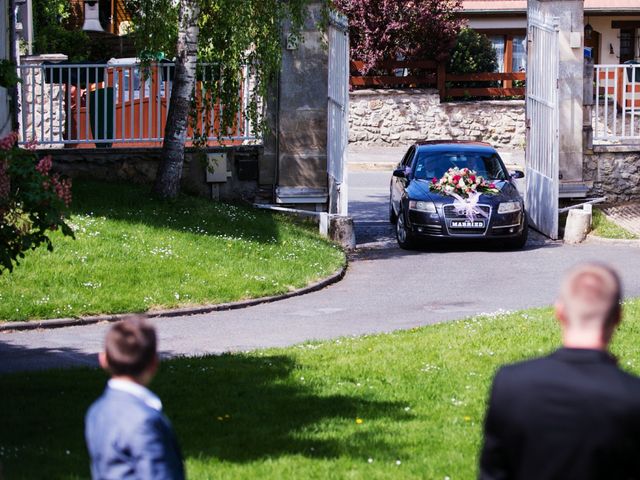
104,115
611,29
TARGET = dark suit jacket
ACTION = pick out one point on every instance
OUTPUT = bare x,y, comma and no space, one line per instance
571,415
127,439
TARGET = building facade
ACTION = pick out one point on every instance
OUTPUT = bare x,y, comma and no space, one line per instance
612,29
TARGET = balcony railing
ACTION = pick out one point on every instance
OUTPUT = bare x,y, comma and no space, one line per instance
120,104
616,113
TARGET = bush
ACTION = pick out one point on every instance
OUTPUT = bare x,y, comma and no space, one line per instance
32,202
390,29
473,53
54,32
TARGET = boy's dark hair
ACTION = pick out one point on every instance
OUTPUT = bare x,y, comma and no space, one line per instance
130,346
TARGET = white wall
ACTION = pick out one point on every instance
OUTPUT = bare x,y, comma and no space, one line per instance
4,53
498,23
608,36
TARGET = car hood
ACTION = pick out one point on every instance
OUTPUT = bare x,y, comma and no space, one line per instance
419,190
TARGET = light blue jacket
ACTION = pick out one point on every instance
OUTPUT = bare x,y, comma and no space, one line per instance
128,439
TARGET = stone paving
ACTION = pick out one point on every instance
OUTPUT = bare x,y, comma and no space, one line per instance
627,216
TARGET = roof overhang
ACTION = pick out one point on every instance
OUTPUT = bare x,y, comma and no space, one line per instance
519,7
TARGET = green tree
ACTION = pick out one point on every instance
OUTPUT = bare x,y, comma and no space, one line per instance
473,53
225,33
52,32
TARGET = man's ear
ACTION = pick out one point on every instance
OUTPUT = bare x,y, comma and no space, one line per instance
560,312
104,363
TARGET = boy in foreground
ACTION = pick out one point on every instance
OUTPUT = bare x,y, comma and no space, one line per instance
127,435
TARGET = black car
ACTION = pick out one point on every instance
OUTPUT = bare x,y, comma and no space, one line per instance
419,213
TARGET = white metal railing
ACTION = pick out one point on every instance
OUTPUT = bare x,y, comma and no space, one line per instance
118,104
616,113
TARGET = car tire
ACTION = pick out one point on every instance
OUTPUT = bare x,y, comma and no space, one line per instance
404,235
393,218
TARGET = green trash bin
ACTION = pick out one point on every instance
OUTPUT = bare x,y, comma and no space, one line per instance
101,112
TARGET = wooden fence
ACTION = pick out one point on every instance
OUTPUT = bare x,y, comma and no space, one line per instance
431,74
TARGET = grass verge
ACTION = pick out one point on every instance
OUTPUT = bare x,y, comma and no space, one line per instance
404,405
605,228
134,253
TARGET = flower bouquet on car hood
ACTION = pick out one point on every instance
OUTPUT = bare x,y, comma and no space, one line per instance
465,186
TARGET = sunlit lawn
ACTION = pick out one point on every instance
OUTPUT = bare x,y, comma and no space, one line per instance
133,253
293,413
603,227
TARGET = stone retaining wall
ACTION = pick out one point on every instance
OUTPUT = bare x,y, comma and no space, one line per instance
396,118
139,165
614,171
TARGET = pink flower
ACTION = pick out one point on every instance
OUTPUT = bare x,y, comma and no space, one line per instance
44,165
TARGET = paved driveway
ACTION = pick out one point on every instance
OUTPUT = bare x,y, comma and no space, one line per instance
385,289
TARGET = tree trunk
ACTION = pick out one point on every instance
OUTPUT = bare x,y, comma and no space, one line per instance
167,184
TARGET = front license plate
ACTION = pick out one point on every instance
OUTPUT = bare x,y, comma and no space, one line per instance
467,224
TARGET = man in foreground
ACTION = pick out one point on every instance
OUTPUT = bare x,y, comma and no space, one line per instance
127,435
573,414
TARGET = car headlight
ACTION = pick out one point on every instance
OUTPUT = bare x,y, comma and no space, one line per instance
509,207
421,206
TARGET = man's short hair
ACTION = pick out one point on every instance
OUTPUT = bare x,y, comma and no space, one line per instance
591,294
130,346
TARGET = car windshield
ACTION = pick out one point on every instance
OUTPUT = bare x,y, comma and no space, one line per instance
431,165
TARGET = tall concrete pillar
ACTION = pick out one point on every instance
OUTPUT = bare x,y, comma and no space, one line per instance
295,156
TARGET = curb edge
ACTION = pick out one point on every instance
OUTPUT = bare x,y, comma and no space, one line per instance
176,312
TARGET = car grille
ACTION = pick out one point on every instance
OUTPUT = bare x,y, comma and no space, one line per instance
467,231
450,212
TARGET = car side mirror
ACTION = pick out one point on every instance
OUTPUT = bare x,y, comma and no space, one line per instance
399,172
517,174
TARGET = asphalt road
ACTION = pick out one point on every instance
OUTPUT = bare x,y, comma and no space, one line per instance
385,289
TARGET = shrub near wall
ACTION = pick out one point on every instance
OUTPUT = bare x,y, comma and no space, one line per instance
396,118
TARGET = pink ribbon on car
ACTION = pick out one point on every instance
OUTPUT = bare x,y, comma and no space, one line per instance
468,206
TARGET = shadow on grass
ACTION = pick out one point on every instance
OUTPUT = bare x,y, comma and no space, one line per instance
236,408
135,204
242,408
19,358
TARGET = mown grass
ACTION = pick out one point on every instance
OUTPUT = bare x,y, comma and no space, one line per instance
135,253
603,227
405,405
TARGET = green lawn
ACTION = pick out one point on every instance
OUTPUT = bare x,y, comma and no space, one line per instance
403,405
603,227
133,253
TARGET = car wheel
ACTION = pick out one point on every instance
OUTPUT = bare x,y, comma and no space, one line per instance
393,218
520,241
404,236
